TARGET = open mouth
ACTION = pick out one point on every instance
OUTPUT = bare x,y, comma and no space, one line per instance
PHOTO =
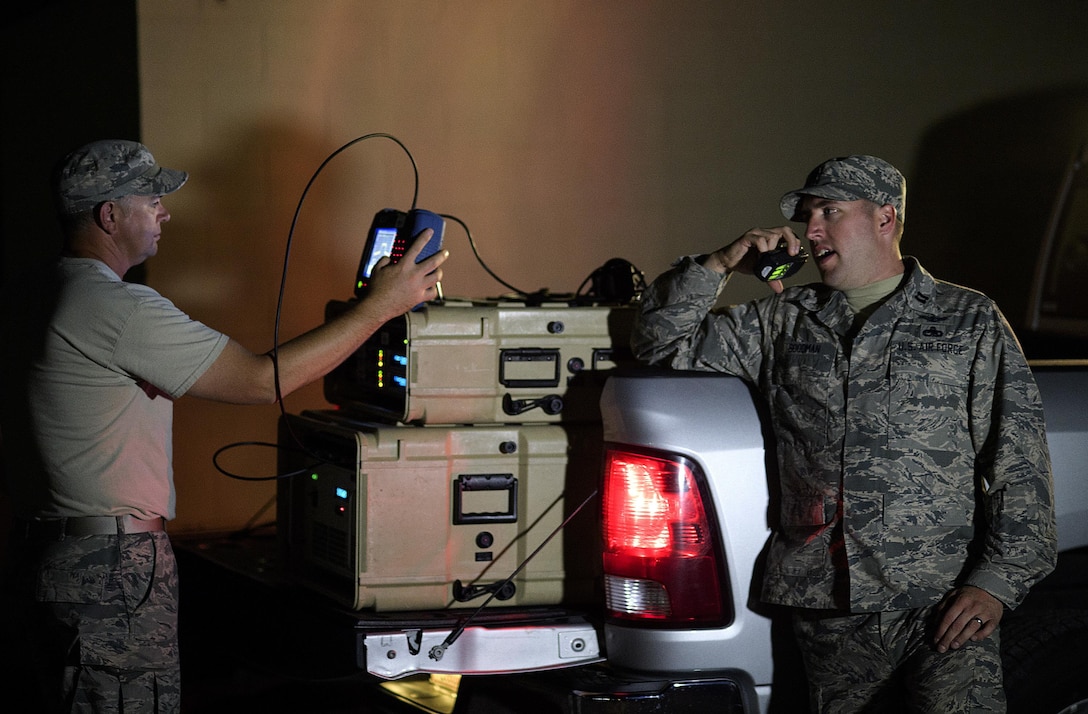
822,254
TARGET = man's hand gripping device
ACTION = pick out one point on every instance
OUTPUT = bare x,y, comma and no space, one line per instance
390,235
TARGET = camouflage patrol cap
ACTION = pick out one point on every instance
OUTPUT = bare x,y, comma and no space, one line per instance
110,169
850,178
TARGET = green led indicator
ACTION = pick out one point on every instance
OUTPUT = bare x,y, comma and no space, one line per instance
313,476
779,272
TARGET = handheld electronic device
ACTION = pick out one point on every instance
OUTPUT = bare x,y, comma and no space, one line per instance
778,263
390,234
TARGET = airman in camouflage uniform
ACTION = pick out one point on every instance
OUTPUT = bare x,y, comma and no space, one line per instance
92,577
914,478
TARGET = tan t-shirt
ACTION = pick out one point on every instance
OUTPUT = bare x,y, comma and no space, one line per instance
115,356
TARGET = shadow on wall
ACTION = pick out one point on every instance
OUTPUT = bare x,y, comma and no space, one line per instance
983,187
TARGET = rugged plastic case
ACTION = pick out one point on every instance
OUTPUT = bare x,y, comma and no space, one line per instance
484,363
399,517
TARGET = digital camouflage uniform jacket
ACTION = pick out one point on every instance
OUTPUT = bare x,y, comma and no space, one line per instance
912,456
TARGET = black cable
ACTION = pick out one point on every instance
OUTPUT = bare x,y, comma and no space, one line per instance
542,295
274,477
475,252
290,237
273,354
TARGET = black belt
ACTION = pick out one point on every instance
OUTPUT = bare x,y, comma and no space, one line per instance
55,528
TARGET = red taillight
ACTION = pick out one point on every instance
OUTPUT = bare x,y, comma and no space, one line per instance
660,562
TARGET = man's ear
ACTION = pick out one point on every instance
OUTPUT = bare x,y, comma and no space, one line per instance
886,219
105,216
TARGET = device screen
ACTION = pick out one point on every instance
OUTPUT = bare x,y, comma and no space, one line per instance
383,246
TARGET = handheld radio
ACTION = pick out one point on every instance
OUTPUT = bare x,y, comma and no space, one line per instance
778,263
390,234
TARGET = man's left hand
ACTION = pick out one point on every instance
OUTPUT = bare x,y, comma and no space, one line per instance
966,613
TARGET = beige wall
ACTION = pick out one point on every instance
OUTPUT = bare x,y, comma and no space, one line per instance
564,133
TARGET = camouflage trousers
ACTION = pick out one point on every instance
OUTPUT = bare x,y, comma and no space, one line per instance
100,615
886,662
